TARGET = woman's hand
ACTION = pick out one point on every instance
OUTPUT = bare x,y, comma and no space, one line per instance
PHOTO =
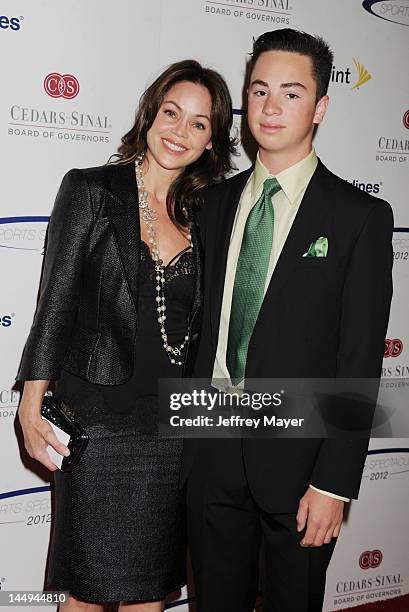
38,434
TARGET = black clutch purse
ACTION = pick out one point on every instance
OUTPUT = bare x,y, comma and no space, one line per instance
58,413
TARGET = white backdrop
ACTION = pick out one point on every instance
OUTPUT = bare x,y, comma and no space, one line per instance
110,52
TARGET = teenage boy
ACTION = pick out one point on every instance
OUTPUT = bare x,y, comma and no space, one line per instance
297,278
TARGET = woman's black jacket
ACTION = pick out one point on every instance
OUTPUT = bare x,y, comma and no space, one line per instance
86,320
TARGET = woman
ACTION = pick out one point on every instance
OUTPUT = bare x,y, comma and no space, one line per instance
117,310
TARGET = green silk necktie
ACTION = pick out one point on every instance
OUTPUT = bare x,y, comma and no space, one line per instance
249,282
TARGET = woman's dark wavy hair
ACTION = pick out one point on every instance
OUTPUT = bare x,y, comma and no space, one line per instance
213,164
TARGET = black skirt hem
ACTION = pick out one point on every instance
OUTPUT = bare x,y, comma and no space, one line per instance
115,599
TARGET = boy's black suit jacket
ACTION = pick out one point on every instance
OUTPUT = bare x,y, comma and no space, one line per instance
321,317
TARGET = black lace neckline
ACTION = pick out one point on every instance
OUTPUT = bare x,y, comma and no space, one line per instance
177,257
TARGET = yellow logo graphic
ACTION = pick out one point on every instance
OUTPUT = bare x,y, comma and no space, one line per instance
363,75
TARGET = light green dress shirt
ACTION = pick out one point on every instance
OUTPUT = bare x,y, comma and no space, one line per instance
293,181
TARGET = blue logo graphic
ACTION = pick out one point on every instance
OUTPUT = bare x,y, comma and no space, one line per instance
6,320
396,11
368,187
10,23
23,233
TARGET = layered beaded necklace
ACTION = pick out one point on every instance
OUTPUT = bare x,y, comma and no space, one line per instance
174,353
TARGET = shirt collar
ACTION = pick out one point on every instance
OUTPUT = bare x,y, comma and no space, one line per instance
293,180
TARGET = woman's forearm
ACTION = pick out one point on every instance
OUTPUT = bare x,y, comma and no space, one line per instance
33,394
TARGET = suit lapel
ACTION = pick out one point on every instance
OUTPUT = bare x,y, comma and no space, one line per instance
124,216
226,212
313,208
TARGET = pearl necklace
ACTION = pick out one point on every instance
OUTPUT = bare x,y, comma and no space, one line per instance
149,215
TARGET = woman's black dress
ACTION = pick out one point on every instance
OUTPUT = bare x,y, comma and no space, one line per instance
119,529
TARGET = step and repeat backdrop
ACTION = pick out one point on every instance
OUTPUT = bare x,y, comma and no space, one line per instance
72,74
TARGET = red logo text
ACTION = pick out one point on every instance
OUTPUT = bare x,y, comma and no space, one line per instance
393,348
370,559
59,85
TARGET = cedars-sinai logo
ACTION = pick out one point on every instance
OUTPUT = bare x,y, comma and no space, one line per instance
370,559
396,11
59,85
393,347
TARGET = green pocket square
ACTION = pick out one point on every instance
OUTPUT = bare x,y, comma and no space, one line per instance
319,248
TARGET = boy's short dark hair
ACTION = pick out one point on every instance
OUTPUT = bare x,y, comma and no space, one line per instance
295,41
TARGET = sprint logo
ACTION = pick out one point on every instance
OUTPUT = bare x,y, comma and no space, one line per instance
344,76
363,75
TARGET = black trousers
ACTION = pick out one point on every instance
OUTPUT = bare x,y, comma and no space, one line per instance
235,545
